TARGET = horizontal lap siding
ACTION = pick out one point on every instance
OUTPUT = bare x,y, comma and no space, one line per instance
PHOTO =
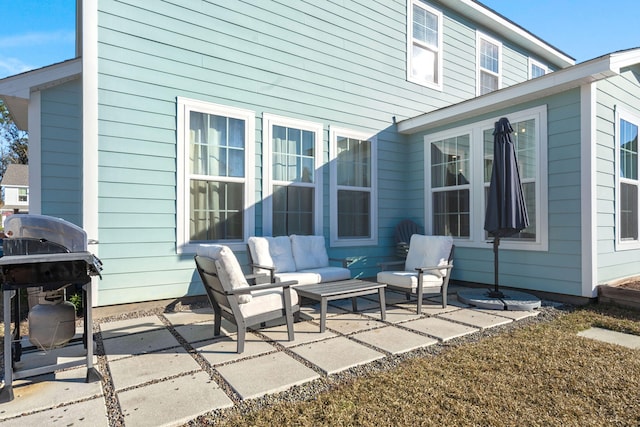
61,151
341,64
620,92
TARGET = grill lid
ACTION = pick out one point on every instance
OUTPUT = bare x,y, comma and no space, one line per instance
46,228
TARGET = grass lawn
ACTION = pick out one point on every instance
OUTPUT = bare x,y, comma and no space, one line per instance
539,375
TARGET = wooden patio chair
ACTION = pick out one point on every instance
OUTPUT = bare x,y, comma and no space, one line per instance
234,299
426,269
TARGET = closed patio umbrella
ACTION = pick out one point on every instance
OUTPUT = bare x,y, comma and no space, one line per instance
506,212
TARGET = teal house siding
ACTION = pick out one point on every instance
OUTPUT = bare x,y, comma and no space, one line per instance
61,151
620,93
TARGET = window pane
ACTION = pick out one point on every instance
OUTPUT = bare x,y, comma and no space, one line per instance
487,137
216,146
524,140
424,64
293,154
537,71
450,165
354,216
489,56
488,83
628,150
628,211
451,213
216,211
425,26
292,210
353,162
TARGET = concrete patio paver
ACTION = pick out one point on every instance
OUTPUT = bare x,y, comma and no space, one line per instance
394,340
45,391
204,331
612,337
304,332
91,413
189,317
323,354
511,314
475,318
130,326
352,322
224,349
441,329
393,314
172,402
139,343
266,374
147,367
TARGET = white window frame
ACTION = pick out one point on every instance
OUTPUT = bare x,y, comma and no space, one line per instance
335,240
268,121
532,63
185,106
410,41
477,237
625,115
479,38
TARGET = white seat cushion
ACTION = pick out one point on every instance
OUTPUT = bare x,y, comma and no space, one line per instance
330,274
300,277
229,270
409,280
265,301
428,251
309,252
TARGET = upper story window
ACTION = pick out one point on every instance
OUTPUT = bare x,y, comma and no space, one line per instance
424,44
457,180
23,194
537,69
628,183
353,188
292,176
489,57
215,174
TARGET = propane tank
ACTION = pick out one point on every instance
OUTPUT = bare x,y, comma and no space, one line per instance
52,323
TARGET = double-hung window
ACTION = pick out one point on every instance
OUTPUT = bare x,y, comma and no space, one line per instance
23,195
460,161
424,44
292,176
537,69
628,209
353,188
215,174
489,57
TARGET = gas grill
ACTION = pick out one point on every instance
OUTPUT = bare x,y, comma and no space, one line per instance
49,256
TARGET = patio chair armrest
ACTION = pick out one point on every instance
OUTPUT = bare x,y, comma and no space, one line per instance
253,278
262,287
435,270
272,270
385,265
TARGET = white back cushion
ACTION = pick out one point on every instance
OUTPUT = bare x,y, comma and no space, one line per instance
259,248
280,250
309,252
229,270
428,251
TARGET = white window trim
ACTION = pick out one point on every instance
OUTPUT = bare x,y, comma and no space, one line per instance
268,120
621,114
479,37
186,105
334,187
533,62
477,211
430,9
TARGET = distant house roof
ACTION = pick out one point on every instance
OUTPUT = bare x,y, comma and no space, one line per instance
16,175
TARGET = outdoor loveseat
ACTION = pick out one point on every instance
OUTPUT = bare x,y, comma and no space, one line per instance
300,258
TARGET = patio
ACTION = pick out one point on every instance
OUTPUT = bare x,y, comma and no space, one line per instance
173,357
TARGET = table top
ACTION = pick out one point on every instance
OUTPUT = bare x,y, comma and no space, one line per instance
336,288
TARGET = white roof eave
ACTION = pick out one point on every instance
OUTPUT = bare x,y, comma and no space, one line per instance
550,84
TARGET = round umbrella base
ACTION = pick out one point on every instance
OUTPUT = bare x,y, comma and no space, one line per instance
510,300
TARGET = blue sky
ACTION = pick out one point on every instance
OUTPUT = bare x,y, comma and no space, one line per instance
36,33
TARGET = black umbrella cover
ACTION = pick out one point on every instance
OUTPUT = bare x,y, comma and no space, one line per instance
506,213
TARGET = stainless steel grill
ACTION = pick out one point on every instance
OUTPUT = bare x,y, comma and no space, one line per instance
48,255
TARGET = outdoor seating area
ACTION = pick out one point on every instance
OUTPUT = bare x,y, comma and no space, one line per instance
178,357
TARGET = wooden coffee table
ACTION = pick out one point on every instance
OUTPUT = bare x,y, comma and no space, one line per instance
352,288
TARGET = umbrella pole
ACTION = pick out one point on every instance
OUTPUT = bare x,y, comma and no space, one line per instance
496,291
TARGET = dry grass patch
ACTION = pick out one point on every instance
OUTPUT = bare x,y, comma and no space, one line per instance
540,375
